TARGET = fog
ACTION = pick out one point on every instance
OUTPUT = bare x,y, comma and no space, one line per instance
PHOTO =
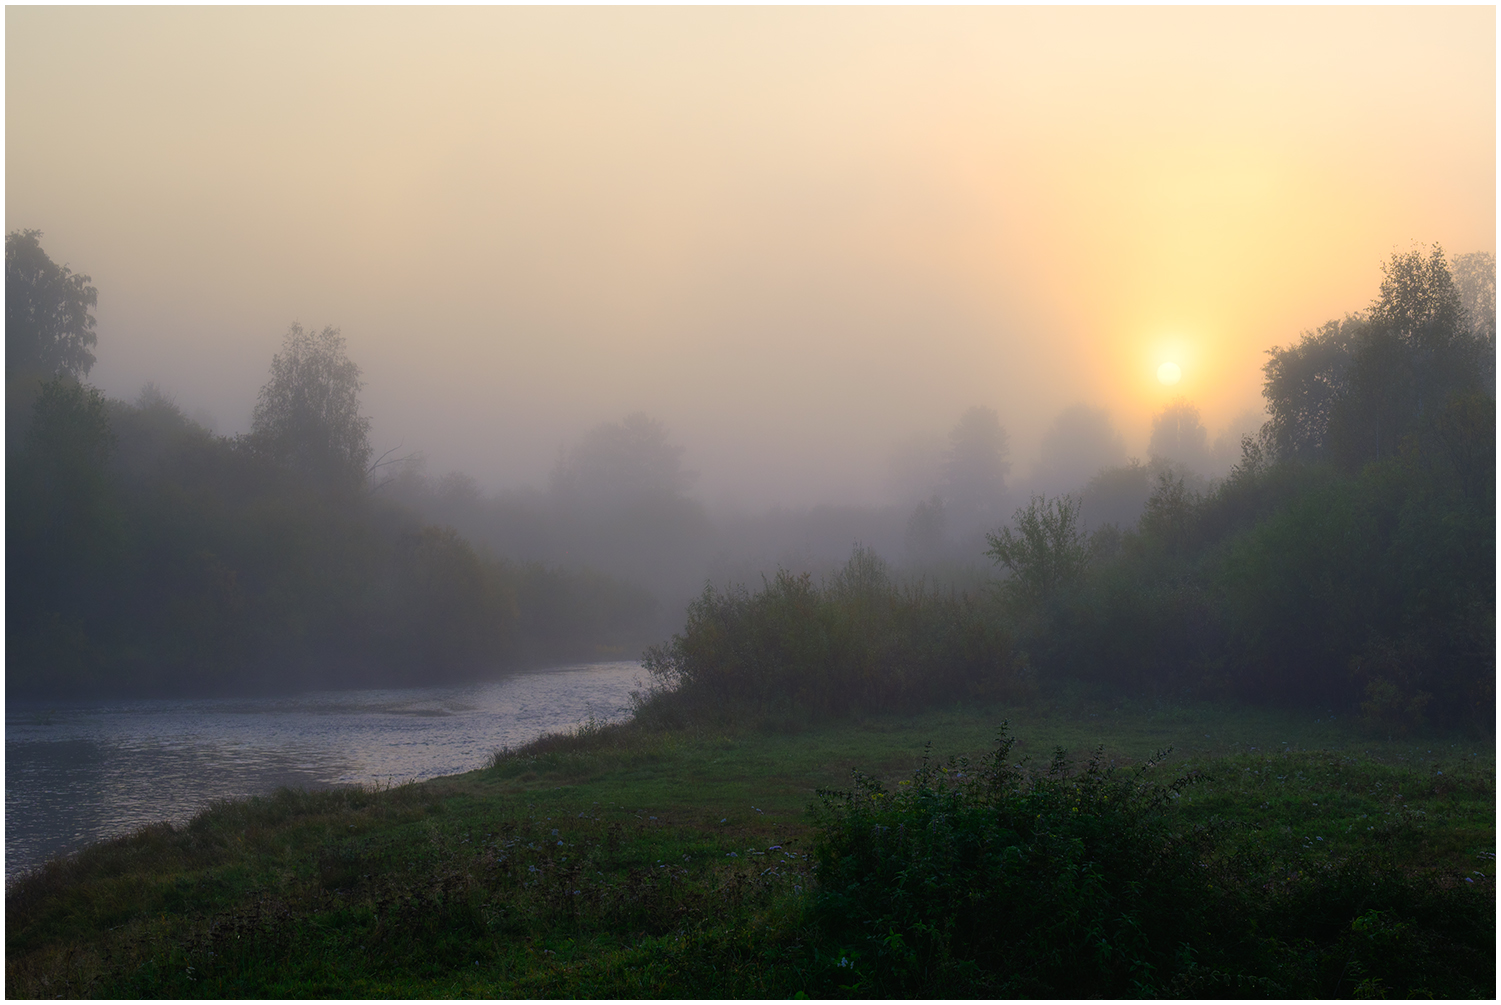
806,242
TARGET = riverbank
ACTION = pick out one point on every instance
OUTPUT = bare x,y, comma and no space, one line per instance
622,862
81,772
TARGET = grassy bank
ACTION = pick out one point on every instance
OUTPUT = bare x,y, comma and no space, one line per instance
632,863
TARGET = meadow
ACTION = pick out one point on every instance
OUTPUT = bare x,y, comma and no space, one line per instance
633,862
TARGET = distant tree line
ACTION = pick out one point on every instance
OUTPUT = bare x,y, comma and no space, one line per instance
145,554
1347,562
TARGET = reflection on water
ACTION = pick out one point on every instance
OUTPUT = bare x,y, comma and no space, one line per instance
79,772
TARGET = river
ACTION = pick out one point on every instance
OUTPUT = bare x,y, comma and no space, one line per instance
78,772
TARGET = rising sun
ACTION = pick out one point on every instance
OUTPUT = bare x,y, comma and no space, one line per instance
1168,373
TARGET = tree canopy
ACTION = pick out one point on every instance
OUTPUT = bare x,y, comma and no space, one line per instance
1475,279
1079,444
975,465
48,327
619,463
308,415
1353,389
1178,435
1047,550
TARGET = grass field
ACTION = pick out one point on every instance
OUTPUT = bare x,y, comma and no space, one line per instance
622,862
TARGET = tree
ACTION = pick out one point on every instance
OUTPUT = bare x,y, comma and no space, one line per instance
308,415
1079,444
1304,384
48,327
1047,551
1116,495
1178,435
62,524
926,526
1353,390
1418,302
1475,279
975,466
1416,351
621,463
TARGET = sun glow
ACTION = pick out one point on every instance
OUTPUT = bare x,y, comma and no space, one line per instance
1169,373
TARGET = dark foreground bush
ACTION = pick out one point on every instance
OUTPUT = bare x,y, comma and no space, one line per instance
993,880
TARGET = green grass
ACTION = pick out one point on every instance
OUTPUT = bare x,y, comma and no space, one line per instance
680,864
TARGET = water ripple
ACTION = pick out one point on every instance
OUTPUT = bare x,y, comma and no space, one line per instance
80,772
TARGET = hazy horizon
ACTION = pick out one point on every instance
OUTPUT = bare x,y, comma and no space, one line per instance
805,240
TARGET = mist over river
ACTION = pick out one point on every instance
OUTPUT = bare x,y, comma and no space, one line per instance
79,772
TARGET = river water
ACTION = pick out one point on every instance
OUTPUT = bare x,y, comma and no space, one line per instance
79,772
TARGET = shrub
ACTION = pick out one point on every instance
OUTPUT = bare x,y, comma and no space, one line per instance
992,880
858,642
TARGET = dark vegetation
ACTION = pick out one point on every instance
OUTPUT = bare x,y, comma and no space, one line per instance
1344,570
145,554
994,880
1333,569
632,862
797,651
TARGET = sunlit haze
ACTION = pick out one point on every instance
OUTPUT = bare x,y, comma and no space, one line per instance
800,238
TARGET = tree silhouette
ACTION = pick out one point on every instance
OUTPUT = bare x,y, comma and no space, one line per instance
1178,435
619,463
1475,279
1353,390
308,415
975,465
48,327
1046,552
1079,444
1416,350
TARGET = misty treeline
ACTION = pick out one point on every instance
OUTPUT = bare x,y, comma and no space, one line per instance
145,554
1346,562
1340,553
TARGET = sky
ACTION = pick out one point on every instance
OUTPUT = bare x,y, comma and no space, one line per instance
801,238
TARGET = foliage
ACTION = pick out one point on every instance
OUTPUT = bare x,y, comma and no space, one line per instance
1046,552
993,880
1304,386
1115,496
983,880
430,890
64,536
1352,391
1080,442
1379,589
1179,436
621,463
926,527
975,465
858,642
307,417
48,327
1475,281
146,555
1330,568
